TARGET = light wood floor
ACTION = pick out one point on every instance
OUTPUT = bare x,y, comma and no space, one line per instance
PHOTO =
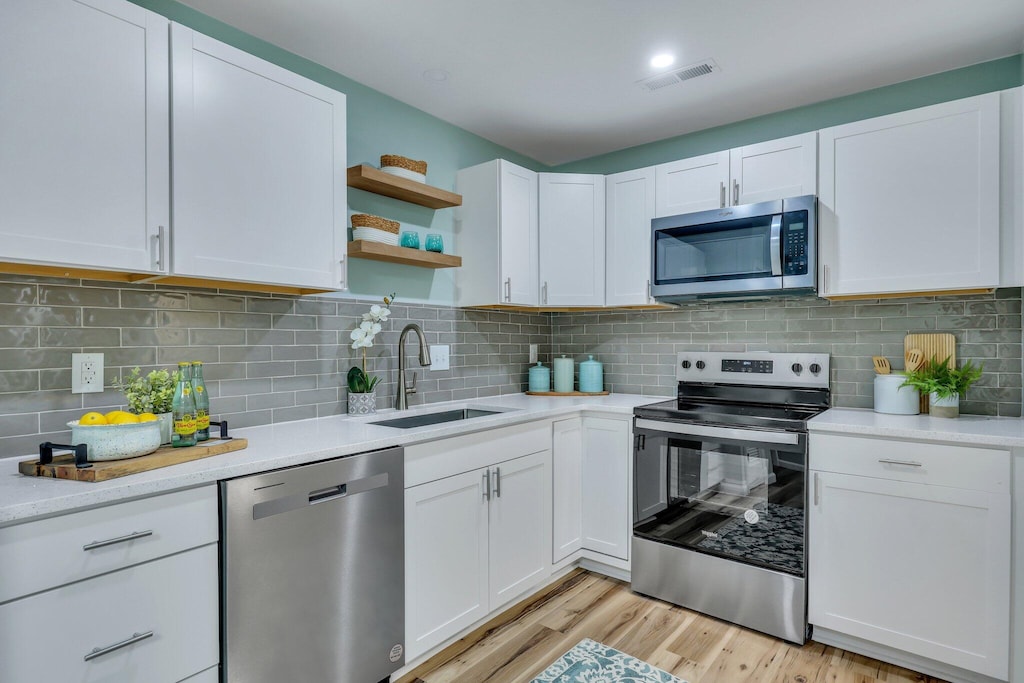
693,647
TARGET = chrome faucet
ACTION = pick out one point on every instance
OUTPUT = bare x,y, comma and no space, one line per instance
402,400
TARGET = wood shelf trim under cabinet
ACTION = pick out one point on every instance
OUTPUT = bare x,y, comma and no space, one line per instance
908,295
378,251
514,308
365,177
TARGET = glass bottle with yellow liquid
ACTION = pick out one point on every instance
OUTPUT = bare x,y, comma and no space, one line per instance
183,407
202,402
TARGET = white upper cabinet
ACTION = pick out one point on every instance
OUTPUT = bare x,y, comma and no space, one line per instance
787,167
84,137
910,202
572,239
629,208
694,184
259,169
496,234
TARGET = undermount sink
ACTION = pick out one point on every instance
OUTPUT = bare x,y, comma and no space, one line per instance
435,418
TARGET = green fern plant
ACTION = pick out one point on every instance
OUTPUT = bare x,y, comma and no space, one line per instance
943,380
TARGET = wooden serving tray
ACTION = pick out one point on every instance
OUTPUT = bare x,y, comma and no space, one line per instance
567,393
63,466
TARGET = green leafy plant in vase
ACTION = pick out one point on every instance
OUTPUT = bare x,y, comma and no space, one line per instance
151,393
944,384
362,394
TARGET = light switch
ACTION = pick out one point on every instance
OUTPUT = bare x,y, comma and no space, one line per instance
439,356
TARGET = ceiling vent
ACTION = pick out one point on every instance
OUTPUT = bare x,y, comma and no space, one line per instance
676,76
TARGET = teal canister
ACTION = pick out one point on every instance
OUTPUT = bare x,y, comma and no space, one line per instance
591,376
540,378
564,372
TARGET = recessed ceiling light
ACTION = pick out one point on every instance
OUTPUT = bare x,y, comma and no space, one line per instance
662,60
436,75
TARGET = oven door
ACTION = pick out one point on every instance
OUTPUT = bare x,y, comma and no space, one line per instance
731,492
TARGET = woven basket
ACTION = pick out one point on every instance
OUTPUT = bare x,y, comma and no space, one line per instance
365,220
404,162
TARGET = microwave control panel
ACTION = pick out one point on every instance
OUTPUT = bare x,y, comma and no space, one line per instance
794,244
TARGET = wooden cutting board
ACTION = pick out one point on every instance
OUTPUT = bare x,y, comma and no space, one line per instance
940,346
63,466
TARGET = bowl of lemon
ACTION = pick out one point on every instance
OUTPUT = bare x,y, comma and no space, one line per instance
117,435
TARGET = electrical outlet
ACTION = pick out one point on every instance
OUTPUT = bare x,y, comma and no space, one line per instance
439,356
533,353
86,373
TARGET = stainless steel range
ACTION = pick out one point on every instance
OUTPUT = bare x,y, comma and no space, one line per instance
720,488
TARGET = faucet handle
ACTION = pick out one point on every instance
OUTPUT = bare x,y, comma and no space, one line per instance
411,388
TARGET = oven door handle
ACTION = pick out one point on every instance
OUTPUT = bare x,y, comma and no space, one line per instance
719,432
775,244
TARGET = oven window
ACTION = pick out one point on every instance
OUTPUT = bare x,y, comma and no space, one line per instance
738,500
726,251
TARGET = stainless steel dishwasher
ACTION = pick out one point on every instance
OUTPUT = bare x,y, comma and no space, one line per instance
312,560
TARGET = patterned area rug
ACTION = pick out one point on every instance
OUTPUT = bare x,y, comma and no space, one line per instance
592,662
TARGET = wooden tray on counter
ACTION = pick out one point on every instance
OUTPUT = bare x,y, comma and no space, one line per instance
63,466
567,393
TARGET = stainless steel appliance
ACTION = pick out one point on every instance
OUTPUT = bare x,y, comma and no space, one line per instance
312,560
739,251
720,488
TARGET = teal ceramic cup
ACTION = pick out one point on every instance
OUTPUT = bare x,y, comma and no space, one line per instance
410,239
435,243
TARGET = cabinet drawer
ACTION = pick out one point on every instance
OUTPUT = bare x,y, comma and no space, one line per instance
51,552
46,637
447,457
966,467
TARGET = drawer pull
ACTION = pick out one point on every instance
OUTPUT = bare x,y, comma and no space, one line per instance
906,463
120,539
100,651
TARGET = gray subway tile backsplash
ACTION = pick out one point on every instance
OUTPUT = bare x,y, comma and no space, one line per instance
278,358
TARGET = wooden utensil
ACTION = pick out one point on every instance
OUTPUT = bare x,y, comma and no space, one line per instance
937,346
914,359
881,364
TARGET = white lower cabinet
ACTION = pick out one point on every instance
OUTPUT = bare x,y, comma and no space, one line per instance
606,467
910,554
566,488
478,539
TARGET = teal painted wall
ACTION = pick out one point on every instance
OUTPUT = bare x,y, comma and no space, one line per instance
950,85
377,124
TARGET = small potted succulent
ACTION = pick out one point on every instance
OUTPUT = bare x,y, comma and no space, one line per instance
944,384
362,394
151,393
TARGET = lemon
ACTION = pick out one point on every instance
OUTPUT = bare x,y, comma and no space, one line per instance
113,414
124,419
92,419
147,417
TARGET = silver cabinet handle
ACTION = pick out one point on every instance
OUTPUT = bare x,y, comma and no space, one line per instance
649,297
508,290
100,651
721,194
905,463
343,274
160,248
544,293
120,539
487,485
735,192
497,482
825,277
817,490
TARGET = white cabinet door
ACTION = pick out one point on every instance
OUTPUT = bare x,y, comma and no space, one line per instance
566,488
910,201
445,559
259,169
606,458
84,146
629,202
517,209
920,568
572,239
776,169
694,184
520,526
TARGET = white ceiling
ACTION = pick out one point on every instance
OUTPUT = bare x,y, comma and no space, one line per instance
556,79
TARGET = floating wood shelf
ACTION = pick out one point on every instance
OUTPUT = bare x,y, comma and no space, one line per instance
378,251
365,177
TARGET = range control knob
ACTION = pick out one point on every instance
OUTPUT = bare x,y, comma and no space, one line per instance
815,368
797,368
686,365
700,365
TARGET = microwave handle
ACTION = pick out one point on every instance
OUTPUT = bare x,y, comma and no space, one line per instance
775,245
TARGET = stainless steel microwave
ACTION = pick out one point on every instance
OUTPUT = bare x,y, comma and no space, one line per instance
739,251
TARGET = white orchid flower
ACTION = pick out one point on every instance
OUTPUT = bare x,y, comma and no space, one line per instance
377,313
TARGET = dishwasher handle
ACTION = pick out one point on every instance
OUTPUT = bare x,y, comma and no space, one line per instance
321,495
307,499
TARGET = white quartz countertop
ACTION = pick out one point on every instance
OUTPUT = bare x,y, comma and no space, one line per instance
978,430
286,444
